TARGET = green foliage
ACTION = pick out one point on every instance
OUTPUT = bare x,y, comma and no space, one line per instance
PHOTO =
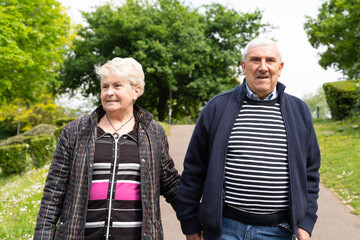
44,112
38,143
340,153
336,29
41,150
190,54
13,158
315,101
62,121
342,98
33,37
39,130
18,139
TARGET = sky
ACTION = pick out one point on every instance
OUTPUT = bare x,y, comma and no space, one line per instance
301,74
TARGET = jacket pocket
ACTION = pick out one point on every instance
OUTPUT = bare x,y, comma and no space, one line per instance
62,228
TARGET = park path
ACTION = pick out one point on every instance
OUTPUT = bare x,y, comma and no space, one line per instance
335,221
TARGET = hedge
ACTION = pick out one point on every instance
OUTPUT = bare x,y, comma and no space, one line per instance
62,121
342,98
13,158
38,143
41,149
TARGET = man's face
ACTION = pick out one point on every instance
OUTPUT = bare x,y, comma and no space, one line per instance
262,68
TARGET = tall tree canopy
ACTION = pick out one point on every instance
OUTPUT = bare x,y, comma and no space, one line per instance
187,55
32,39
336,32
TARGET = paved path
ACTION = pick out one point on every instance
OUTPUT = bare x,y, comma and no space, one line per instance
335,221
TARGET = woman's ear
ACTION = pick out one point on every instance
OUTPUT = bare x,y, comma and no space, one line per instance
137,92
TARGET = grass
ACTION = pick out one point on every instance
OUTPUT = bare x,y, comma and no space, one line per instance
20,197
340,170
340,159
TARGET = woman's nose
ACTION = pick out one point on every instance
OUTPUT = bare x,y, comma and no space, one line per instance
110,92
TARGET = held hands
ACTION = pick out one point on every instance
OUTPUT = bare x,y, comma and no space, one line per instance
195,236
303,235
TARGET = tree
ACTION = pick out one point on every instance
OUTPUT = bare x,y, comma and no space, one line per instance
317,104
337,30
33,35
187,56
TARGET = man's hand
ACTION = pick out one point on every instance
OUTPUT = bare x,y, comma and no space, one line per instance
303,235
196,236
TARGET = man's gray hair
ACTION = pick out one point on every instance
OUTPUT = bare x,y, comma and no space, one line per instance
259,42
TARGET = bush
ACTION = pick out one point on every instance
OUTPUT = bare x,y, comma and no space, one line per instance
41,149
342,98
13,158
60,122
13,140
41,129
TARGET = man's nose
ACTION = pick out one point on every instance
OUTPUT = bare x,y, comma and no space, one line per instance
263,66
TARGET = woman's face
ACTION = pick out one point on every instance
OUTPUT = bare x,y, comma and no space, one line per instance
117,95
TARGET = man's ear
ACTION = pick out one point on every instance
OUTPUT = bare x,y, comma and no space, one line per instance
242,63
280,68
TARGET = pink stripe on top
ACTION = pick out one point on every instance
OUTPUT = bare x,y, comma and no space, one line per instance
127,190
99,190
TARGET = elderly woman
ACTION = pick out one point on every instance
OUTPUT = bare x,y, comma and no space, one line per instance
109,168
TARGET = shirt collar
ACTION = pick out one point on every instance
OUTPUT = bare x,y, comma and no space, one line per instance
253,96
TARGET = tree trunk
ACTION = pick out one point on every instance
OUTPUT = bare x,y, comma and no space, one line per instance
161,107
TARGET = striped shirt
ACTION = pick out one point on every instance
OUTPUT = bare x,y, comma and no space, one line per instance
256,170
114,206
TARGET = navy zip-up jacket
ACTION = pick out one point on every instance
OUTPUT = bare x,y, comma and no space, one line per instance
201,193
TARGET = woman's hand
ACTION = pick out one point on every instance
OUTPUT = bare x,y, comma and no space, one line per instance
195,236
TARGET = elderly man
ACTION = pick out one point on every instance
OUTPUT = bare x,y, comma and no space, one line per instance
251,169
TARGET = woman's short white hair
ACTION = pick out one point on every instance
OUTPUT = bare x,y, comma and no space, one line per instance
125,68
259,42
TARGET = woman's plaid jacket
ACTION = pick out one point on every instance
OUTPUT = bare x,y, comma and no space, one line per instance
67,188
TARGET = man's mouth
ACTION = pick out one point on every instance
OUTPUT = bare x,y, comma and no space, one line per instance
262,77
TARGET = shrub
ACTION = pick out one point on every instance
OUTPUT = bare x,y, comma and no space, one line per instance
13,158
63,121
41,149
13,140
57,132
341,97
41,129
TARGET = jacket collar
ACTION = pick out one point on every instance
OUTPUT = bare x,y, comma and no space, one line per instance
280,87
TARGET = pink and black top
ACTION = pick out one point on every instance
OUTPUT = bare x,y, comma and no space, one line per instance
114,206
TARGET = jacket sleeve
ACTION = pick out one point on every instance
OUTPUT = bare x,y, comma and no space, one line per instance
192,179
169,176
313,179
54,190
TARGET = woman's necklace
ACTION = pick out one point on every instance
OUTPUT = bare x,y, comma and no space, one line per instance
116,135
